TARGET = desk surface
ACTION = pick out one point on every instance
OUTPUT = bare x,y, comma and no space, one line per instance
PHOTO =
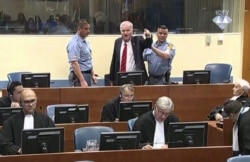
215,137
69,129
200,154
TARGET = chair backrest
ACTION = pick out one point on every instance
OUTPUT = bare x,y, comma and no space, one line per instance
81,135
131,123
50,110
106,80
16,76
219,72
242,158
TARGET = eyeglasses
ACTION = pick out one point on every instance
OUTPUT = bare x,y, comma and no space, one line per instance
128,95
162,112
27,102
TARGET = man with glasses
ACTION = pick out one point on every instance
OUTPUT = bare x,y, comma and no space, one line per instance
10,135
153,125
110,111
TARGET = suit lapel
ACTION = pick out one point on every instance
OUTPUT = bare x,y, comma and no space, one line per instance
133,43
119,51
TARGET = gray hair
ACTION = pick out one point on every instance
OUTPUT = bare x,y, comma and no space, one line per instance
129,86
165,103
244,85
126,23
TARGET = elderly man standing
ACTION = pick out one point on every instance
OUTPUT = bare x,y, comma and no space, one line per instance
128,50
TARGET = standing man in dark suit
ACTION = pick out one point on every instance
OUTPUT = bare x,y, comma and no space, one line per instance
240,115
134,48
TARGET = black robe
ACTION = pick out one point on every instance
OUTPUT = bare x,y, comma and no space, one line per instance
244,133
146,125
110,110
219,109
5,101
10,134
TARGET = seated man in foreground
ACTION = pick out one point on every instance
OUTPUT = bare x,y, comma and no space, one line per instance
153,125
10,135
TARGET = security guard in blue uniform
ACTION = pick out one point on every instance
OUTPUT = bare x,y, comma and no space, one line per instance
160,58
80,57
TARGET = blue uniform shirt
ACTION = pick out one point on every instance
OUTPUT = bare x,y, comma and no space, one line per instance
156,65
79,49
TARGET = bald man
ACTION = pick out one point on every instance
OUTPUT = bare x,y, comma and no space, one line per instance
10,135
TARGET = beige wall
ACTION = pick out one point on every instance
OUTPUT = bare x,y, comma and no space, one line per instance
43,53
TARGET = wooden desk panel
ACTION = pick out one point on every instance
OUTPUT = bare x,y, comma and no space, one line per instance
47,96
194,102
227,132
215,136
97,97
204,154
69,129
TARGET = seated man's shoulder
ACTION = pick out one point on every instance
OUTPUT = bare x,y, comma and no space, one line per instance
115,100
246,102
173,118
145,117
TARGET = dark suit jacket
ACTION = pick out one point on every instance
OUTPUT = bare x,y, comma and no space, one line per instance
138,45
219,109
146,125
244,133
110,110
5,101
10,134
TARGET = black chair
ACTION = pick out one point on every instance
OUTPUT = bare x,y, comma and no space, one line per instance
106,80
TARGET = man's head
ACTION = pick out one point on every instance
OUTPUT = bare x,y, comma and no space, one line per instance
28,101
163,107
126,28
232,109
14,89
83,28
162,33
240,87
127,92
